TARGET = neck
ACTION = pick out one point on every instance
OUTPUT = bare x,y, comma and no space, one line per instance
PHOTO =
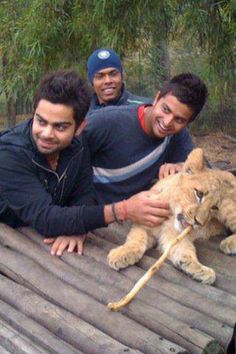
147,111
53,160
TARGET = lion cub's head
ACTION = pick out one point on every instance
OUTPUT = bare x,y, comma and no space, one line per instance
196,193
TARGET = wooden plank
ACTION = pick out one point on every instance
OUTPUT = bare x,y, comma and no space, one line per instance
59,321
34,331
223,265
15,342
4,350
28,273
100,271
147,317
168,272
174,277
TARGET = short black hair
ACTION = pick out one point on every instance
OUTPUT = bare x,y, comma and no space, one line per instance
65,87
188,89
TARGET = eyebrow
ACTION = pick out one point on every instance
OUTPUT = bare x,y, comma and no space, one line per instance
54,124
107,73
178,117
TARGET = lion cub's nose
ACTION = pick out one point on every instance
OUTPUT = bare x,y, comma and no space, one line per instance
197,222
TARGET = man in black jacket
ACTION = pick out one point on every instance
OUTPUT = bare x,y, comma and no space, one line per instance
105,73
45,172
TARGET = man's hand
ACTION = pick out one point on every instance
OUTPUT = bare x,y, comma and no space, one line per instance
60,243
170,169
142,209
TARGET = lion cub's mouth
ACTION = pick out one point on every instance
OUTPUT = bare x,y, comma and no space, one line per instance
181,219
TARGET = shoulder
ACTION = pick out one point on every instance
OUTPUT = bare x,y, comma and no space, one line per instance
137,100
110,113
183,135
17,137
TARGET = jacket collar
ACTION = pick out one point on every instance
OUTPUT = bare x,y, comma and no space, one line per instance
117,102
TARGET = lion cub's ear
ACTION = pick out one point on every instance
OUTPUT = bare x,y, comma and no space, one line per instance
195,162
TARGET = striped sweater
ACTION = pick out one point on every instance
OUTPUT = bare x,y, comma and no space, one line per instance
125,159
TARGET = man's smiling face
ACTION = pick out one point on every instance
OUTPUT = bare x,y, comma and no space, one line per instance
107,84
166,116
53,127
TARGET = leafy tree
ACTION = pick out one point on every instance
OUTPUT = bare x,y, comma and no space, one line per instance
40,35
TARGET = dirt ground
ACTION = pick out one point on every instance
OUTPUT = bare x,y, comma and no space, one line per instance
220,149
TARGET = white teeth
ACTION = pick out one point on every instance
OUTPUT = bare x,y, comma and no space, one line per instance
162,126
108,90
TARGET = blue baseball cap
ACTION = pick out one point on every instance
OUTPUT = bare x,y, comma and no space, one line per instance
101,59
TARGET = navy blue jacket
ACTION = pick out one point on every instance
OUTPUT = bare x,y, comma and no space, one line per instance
55,203
125,98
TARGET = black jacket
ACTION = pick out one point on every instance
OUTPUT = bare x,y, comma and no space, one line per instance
125,98
53,202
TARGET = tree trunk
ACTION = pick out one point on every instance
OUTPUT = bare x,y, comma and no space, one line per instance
11,112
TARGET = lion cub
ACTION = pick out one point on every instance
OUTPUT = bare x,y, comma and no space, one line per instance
198,196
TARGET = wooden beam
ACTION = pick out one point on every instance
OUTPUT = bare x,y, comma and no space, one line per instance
31,275
15,342
34,331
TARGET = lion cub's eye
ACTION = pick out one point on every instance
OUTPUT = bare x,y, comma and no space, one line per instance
199,195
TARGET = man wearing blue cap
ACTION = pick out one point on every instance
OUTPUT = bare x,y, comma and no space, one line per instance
105,73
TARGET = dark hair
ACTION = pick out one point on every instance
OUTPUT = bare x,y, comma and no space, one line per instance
65,87
188,89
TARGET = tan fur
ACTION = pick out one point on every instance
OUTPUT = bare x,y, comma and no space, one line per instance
201,197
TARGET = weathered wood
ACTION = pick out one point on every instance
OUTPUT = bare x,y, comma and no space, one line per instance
149,274
106,275
34,331
15,342
169,273
222,263
165,325
4,350
17,267
59,321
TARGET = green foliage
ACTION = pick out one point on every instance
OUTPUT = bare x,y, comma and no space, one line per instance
155,39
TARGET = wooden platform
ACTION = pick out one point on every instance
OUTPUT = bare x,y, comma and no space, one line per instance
58,305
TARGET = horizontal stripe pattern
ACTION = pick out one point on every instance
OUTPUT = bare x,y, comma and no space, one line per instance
106,175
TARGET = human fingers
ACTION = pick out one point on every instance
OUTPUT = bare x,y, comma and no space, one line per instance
153,203
159,212
80,246
48,241
161,171
58,246
64,243
153,221
72,245
168,170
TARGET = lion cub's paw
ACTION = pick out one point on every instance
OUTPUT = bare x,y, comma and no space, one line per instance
199,272
122,257
228,246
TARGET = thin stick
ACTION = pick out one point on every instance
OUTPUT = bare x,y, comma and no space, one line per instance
115,306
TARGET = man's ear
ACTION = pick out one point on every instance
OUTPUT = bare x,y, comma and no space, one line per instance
80,128
195,162
156,98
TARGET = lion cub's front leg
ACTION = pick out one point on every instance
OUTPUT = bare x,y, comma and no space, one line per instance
228,246
184,257
137,242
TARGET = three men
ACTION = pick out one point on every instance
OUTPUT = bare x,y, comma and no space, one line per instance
45,172
105,73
